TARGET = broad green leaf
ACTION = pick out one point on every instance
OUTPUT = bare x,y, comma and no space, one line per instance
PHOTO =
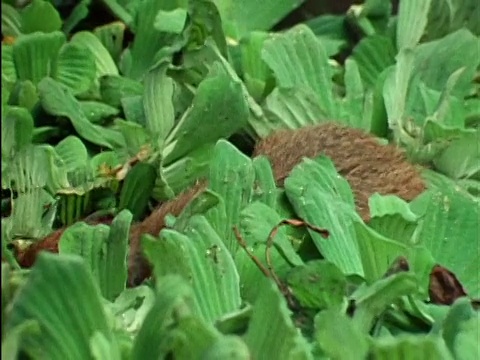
11,341
339,337
293,108
73,153
265,189
29,218
372,301
11,21
218,110
158,104
75,68
452,217
166,325
43,47
201,257
114,88
141,176
412,19
171,21
241,18
98,112
298,58
318,285
310,186
231,176
460,330
103,60
421,347
186,170
58,100
17,131
373,54
282,340
40,15
9,71
27,95
257,220
111,36
435,61
103,249
462,158
61,295
255,71
148,41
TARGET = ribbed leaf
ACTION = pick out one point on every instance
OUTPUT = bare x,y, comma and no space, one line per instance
158,104
412,20
60,294
111,36
11,22
298,58
58,100
103,60
310,186
282,340
218,110
201,256
293,108
43,48
40,15
231,176
75,68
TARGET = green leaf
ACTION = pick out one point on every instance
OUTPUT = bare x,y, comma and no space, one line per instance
282,340
334,330
462,158
158,104
111,36
114,88
40,15
372,301
460,330
97,112
141,176
292,108
452,216
257,220
43,47
174,302
298,58
312,184
421,347
218,110
9,71
60,294
373,54
11,21
17,131
318,285
73,153
148,41
241,18
171,21
231,176
435,61
103,60
411,23
201,257
75,68
103,249
58,100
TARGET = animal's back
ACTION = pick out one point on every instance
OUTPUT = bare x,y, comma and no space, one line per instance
368,166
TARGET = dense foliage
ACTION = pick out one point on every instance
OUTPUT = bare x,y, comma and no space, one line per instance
113,116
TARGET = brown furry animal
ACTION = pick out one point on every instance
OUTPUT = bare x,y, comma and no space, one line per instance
368,166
